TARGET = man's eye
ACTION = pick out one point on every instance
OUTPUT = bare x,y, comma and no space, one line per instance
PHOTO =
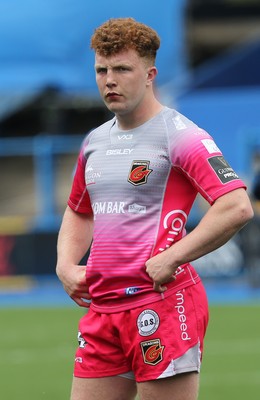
122,69
101,70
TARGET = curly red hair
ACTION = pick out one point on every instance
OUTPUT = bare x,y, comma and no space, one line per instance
119,34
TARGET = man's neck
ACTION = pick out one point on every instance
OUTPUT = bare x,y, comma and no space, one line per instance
138,117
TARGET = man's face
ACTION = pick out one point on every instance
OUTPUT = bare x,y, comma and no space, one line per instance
122,81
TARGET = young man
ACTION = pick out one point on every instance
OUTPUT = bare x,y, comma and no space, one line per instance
136,180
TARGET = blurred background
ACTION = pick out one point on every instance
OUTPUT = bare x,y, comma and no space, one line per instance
209,65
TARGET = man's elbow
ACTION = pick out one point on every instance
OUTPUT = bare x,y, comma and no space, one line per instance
244,213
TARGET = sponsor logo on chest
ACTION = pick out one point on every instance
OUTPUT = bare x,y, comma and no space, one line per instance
119,152
109,207
91,176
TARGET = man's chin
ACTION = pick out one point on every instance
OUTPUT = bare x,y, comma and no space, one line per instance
117,108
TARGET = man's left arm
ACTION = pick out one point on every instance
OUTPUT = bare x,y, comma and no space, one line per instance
223,220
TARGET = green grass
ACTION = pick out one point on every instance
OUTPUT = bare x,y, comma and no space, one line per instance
37,350
231,365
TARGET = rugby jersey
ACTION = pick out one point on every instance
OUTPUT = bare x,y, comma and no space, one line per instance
140,185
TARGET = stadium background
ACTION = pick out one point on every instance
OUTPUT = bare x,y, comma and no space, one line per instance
209,70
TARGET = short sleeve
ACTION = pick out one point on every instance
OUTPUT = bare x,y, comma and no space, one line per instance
79,198
196,154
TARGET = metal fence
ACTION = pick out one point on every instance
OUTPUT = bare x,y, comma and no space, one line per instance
44,149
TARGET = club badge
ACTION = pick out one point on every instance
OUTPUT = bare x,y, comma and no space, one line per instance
152,351
139,172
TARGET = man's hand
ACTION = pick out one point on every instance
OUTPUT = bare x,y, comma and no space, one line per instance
74,283
160,271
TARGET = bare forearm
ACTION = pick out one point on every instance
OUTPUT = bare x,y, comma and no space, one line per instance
74,238
221,222
73,242
226,217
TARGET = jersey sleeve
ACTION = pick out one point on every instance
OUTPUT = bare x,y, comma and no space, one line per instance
79,200
195,153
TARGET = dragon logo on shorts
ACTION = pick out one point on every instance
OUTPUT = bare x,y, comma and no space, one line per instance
152,351
139,172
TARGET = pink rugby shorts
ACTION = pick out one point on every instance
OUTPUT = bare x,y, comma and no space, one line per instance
155,341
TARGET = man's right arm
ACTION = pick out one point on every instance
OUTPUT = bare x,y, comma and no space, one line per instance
74,240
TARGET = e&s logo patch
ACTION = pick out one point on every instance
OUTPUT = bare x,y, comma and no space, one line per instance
139,172
152,351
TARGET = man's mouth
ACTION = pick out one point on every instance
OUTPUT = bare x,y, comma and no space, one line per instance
110,95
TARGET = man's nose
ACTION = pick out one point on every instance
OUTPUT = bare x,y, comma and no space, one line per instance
110,79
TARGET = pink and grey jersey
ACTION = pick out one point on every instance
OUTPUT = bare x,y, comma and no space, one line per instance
140,185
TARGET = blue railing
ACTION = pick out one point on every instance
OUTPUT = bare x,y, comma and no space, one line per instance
43,148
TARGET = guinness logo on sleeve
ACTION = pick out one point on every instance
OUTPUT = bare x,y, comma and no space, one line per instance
222,169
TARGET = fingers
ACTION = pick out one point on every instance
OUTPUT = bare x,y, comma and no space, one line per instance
80,295
82,302
159,286
82,299
74,283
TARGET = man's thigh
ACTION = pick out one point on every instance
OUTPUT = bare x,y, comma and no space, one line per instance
109,388
178,387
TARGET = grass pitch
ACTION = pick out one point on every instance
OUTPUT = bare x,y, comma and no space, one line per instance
231,365
37,350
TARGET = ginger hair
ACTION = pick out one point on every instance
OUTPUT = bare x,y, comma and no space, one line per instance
120,34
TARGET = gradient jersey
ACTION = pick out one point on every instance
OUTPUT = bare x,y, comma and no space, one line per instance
140,185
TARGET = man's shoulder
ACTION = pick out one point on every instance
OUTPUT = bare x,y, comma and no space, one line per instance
177,121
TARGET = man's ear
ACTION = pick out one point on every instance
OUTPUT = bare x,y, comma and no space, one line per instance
151,74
